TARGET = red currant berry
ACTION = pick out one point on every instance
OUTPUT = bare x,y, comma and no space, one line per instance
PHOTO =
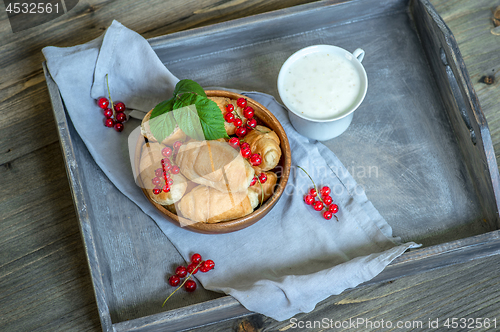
318,205
245,145
234,142
255,159
254,181
119,127
192,268
248,112
325,191
108,113
177,145
119,107
165,161
110,123
190,285
166,175
327,215
103,102
170,181
241,131
166,168
181,271
156,191
209,264
166,188
196,258
246,153
174,280
120,117
166,152
309,199
156,181
229,117
251,123
203,268
175,169
262,177
327,200
241,102
229,108
334,208
313,192
237,122
158,172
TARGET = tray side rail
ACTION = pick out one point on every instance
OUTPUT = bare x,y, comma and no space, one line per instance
79,200
263,27
462,106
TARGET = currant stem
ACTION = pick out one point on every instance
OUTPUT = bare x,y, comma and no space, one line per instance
314,184
187,278
261,192
110,100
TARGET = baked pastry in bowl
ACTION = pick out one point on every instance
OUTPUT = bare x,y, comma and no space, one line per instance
216,186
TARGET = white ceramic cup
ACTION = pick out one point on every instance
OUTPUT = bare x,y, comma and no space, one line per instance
330,127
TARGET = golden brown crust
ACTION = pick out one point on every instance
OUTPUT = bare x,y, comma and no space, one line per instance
267,187
215,164
150,161
208,205
265,142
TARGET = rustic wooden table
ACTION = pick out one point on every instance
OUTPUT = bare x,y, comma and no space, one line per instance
44,280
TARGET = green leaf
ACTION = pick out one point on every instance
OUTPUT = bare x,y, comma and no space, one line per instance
212,120
162,126
188,86
209,115
162,108
189,121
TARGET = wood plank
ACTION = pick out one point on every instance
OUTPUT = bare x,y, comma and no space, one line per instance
43,276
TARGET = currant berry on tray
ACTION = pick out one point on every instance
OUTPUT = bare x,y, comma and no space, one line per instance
182,272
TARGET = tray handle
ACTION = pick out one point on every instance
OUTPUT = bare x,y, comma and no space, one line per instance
458,96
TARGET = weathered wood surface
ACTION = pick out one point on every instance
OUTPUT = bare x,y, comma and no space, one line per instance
44,281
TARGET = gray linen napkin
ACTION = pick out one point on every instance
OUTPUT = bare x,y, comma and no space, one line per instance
282,265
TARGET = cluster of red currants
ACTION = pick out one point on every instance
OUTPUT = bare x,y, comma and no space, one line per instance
234,118
242,129
325,202
181,271
114,116
163,179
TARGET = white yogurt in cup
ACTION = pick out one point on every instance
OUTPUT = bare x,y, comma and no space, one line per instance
321,86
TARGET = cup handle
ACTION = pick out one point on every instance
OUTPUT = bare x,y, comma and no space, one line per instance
359,54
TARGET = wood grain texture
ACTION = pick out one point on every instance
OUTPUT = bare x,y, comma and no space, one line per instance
44,280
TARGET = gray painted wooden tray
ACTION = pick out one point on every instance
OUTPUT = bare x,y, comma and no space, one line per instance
419,145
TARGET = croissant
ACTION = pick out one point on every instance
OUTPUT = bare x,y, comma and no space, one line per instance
150,161
265,142
222,102
266,187
177,134
208,205
215,164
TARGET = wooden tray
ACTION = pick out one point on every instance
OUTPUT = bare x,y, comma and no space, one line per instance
419,145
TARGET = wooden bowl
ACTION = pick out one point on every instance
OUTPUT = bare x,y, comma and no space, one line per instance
263,117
